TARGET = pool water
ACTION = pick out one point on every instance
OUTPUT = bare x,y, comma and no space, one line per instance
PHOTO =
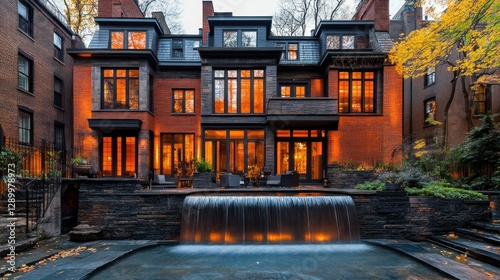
308,261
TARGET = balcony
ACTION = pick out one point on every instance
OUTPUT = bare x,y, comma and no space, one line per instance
305,113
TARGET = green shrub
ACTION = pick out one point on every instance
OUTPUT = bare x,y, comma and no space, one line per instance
202,166
445,190
371,186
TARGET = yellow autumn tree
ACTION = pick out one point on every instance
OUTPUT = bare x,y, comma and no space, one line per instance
465,37
79,15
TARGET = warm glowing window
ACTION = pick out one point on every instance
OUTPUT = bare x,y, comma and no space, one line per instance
481,99
293,90
238,91
183,101
134,39
290,51
356,92
177,154
119,156
120,89
430,111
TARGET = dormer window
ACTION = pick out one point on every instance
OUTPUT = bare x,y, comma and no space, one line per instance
135,39
290,51
178,48
337,42
238,38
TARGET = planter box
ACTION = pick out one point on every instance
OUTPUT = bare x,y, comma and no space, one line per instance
202,180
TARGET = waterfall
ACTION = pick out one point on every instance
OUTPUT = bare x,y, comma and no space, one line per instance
268,219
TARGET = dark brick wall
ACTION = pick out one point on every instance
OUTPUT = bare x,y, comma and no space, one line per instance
40,49
343,179
125,212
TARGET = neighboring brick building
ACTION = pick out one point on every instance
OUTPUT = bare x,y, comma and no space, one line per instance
237,96
426,96
36,73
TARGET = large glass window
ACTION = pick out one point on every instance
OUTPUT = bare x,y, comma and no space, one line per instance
356,92
230,39
234,150
58,92
239,38
293,90
24,73
25,13
334,42
249,38
25,127
183,101
290,50
177,154
239,91
119,156
120,89
58,47
128,39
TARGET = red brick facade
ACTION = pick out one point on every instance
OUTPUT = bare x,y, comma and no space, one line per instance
119,8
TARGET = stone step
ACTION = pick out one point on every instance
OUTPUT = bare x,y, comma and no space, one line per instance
492,227
468,247
489,237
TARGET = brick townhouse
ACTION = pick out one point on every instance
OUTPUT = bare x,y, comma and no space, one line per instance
36,79
236,95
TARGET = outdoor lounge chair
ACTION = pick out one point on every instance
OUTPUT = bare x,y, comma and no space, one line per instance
287,180
228,180
162,181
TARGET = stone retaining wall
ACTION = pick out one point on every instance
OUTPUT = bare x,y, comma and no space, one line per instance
348,179
124,212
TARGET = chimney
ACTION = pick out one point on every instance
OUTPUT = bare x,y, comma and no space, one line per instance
160,17
122,8
208,11
376,10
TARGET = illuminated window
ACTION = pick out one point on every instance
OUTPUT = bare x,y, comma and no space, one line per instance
481,98
293,90
120,89
134,39
430,77
119,156
177,154
183,101
25,127
335,42
356,92
25,13
238,91
58,47
430,111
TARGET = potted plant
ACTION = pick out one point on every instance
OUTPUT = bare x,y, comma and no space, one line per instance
391,180
203,173
81,166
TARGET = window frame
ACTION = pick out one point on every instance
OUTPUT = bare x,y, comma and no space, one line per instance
427,113
183,100
341,41
23,131
114,93
238,79
27,22
238,43
177,48
293,89
285,55
58,95
59,137
125,39
486,101
363,93
58,50
28,76
430,77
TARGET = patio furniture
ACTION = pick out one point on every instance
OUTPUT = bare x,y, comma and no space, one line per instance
228,180
162,181
287,180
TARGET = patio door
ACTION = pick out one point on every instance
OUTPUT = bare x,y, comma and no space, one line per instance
119,156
